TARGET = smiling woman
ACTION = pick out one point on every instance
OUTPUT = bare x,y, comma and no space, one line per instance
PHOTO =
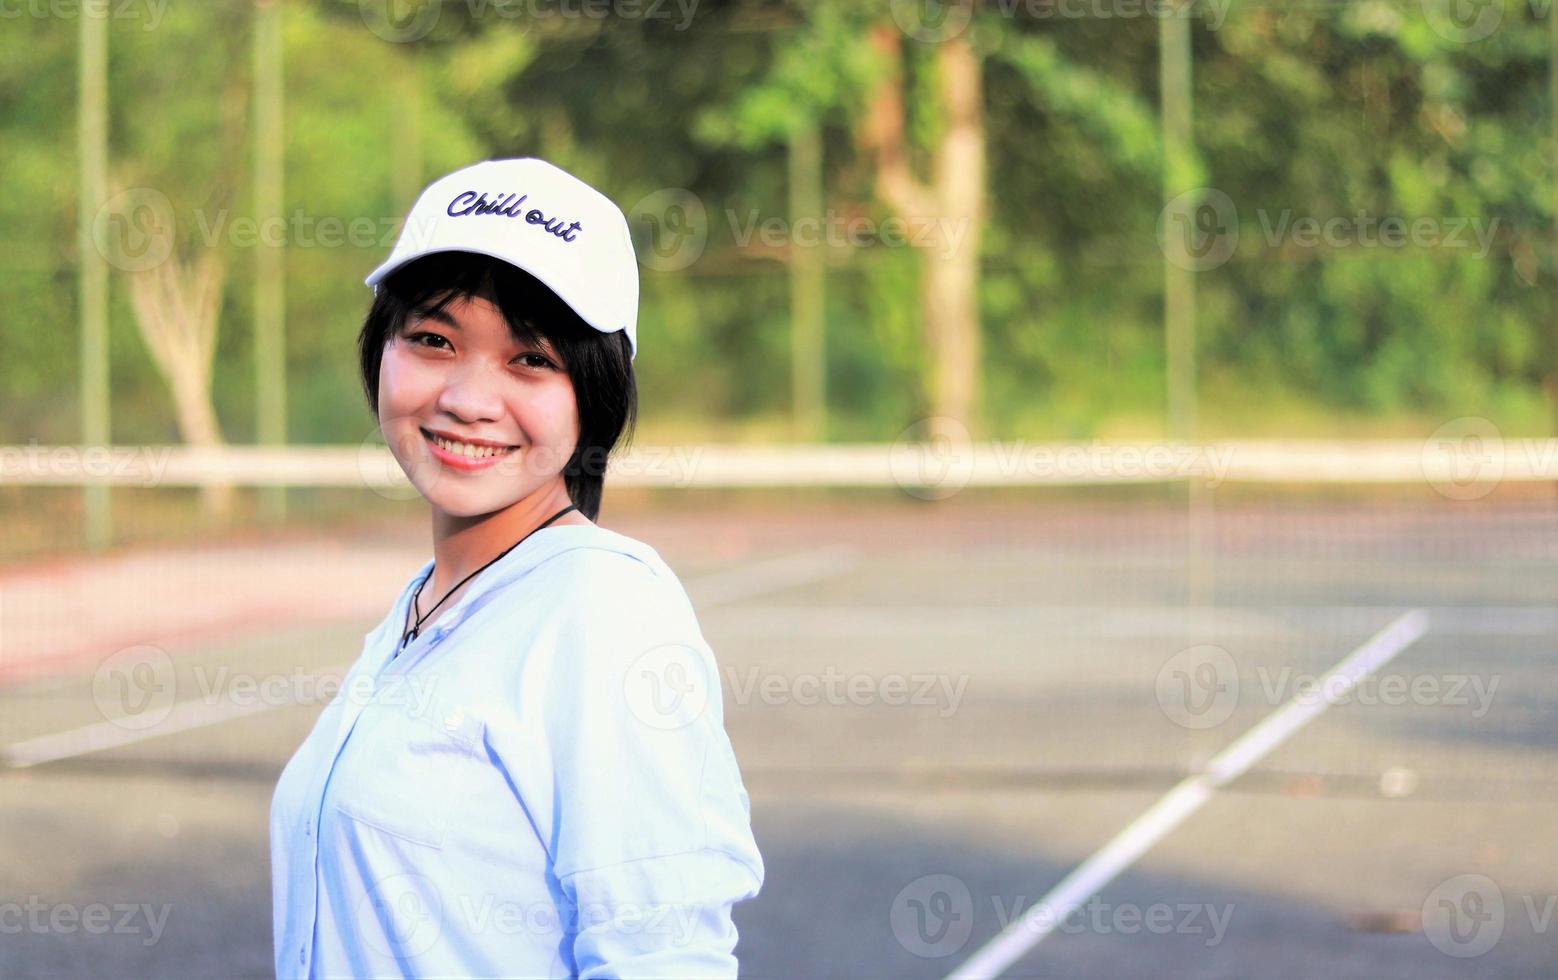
567,803
455,338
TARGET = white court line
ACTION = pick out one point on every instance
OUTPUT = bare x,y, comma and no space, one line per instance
1021,936
185,716
771,575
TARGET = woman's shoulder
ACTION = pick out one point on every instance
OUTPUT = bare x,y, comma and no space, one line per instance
610,576
592,550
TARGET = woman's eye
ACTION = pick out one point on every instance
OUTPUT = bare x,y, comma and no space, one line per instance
423,338
431,339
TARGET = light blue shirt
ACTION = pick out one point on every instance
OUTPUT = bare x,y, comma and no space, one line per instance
540,785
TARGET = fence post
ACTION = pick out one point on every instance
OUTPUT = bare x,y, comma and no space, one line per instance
807,269
270,335
92,151
1179,285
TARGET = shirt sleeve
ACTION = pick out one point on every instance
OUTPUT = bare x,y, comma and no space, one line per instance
652,841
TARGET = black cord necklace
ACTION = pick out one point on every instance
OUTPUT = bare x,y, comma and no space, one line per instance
416,627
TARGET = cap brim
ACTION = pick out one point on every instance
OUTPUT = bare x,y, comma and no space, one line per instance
389,266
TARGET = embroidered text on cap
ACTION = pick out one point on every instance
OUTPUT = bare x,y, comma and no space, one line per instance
508,207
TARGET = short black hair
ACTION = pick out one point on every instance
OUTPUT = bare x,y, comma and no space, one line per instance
599,364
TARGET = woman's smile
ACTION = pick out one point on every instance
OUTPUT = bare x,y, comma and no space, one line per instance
462,455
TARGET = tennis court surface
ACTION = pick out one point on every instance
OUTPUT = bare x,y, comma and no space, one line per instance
939,709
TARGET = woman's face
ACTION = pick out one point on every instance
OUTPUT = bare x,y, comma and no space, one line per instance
477,420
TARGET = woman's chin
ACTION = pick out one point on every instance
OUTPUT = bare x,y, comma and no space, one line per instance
465,505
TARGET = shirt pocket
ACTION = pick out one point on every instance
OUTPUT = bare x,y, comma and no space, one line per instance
410,765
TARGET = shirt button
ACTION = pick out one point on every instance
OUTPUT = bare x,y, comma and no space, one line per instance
308,827
303,955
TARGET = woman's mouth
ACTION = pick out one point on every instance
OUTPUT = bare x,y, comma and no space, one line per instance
464,455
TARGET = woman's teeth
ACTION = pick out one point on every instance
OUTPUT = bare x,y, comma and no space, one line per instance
467,449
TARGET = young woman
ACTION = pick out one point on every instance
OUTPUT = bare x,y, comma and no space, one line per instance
526,772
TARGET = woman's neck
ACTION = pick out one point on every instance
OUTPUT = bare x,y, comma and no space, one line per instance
461,545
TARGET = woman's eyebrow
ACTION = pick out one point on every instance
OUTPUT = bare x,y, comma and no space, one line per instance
428,313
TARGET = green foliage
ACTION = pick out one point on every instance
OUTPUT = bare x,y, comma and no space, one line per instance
1356,112
822,71
1123,124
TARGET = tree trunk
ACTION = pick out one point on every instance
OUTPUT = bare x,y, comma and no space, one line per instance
954,201
953,274
176,308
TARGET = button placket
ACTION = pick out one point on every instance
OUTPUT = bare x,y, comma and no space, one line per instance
351,710
405,660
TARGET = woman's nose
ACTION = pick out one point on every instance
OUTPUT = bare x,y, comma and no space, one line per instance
471,394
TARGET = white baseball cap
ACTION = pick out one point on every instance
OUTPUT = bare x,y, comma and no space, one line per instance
540,218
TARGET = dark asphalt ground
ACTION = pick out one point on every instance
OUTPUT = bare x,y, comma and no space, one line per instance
938,712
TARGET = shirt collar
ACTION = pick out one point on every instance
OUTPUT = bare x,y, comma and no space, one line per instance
541,545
